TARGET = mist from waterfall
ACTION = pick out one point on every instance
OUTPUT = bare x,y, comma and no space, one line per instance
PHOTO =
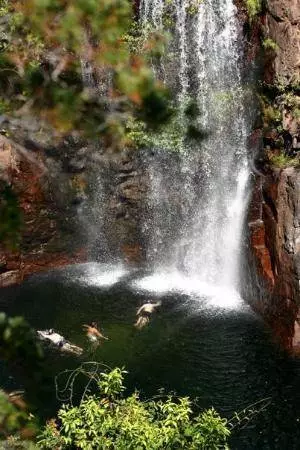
197,197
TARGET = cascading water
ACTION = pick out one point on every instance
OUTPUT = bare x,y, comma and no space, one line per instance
200,240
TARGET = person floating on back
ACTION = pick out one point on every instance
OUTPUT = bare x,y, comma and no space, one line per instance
93,333
144,313
59,341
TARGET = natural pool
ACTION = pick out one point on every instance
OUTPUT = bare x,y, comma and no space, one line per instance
220,353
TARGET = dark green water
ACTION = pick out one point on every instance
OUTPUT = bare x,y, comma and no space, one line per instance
225,357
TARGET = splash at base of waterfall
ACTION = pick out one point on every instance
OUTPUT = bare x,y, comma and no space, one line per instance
222,296
95,274
105,276
197,200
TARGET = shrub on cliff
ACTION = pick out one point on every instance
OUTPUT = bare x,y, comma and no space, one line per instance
253,8
282,161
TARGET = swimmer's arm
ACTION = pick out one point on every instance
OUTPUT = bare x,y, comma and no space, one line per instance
140,310
99,334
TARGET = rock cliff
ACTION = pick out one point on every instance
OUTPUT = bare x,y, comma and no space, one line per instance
281,23
274,231
76,202
274,212
47,235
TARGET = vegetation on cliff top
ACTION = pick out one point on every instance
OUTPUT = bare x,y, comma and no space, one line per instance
58,57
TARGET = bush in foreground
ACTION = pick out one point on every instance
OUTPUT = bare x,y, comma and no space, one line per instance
110,421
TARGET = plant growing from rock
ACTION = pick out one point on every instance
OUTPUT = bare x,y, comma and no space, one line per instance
282,161
253,8
269,44
193,7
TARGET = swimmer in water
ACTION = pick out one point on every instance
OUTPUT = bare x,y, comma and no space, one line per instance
93,333
144,313
59,341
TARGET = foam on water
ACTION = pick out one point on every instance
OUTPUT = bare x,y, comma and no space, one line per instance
98,275
221,296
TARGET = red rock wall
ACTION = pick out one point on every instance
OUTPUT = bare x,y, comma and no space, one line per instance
273,221
43,245
274,232
282,24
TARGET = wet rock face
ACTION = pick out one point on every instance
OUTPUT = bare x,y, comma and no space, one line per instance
118,189
48,232
282,23
274,216
274,227
77,201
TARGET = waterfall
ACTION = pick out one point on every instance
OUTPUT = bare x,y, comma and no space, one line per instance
198,196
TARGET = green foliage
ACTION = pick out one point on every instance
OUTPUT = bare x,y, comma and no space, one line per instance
145,40
17,425
4,106
271,112
193,7
18,342
269,44
296,113
253,8
110,421
18,347
50,41
274,106
11,417
224,97
111,383
272,116
290,100
181,129
169,15
283,161
169,137
4,7
169,11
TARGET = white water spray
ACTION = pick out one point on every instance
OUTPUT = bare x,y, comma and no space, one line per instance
202,241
